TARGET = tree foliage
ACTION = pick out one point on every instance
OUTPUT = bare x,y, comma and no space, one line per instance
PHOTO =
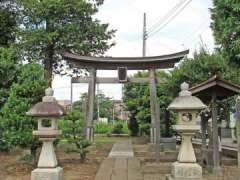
226,27
192,70
105,105
8,19
200,68
8,71
24,93
137,101
51,27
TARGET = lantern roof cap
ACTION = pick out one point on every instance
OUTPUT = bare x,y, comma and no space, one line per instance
185,100
48,107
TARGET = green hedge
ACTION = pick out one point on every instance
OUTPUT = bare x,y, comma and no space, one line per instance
102,128
106,128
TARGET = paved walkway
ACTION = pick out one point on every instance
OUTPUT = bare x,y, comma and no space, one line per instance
122,149
120,164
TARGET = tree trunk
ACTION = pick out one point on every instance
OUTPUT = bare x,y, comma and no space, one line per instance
48,65
48,61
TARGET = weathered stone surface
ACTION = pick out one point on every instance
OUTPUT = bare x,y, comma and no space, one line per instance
169,143
120,164
186,152
122,149
47,157
47,174
186,171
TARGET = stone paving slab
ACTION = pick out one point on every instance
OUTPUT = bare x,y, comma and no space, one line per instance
120,169
120,164
122,149
105,170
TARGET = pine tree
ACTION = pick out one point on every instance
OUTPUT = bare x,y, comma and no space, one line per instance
226,27
8,19
51,27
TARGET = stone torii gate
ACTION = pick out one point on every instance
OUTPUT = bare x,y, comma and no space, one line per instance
122,64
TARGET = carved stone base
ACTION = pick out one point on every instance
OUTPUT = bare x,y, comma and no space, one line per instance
47,174
185,171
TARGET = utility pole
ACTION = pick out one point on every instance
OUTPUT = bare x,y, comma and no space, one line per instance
155,112
144,35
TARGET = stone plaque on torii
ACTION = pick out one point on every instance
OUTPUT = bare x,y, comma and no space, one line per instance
122,64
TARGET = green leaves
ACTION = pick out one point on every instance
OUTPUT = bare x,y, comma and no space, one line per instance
191,70
72,127
137,101
226,27
8,71
8,24
27,90
54,26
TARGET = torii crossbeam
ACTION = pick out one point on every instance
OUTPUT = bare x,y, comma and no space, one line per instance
122,64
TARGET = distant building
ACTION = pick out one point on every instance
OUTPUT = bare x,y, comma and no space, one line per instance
65,103
119,110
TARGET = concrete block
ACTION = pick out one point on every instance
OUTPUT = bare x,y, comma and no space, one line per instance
47,174
169,144
185,171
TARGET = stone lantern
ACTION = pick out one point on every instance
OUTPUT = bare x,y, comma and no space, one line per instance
187,108
47,112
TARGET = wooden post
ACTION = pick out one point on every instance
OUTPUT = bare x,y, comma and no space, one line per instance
90,105
238,127
155,114
216,157
158,135
71,96
204,139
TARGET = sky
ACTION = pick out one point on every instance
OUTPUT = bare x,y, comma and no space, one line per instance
186,28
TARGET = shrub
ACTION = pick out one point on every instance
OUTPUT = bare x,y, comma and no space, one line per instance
102,128
72,127
145,129
27,158
117,128
125,128
133,126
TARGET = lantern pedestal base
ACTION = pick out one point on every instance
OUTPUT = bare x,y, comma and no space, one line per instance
47,173
185,171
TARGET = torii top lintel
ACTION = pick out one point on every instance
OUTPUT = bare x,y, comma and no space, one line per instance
132,63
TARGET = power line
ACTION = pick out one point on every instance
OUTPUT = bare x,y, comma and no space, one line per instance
169,13
197,31
169,20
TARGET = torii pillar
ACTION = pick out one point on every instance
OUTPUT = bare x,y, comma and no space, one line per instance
155,112
90,105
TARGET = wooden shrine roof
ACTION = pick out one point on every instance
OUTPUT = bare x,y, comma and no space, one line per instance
222,88
132,63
